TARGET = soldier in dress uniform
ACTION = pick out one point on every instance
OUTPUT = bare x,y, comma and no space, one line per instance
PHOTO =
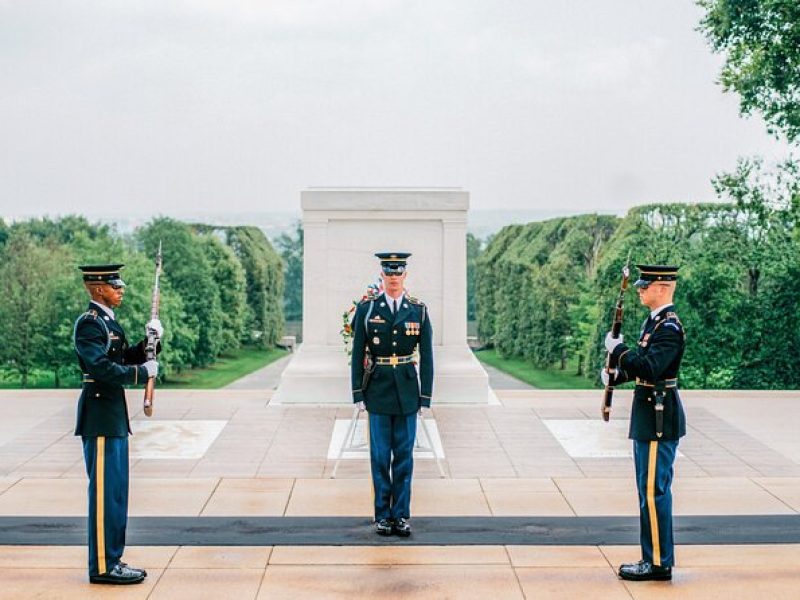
107,363
386,331
657,418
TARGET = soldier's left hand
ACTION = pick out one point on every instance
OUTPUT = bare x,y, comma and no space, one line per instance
156,327
423,411
612,342
605,378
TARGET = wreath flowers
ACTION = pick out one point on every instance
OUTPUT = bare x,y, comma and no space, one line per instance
373,291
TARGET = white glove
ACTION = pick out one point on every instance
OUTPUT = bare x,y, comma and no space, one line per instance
423,411
152,368
605,378
155,326
361,406
612,342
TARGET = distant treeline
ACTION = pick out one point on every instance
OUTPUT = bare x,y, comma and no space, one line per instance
546,290
221,287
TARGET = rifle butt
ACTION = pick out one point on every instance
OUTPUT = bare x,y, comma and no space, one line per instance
149,396
608,392
605,409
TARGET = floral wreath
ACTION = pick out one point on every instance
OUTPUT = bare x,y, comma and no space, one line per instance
374,290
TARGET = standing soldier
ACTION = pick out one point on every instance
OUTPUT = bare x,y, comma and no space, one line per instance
388,330
107,363
657,418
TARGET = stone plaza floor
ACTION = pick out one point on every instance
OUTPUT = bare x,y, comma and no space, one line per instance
206,455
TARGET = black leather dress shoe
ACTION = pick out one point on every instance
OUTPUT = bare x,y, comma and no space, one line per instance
119,575
644,571
402,527
384,527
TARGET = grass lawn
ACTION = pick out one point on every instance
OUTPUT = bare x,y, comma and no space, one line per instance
547,379
226,370
37,380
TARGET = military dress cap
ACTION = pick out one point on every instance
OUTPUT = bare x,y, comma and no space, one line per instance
393,263
103,274
652,273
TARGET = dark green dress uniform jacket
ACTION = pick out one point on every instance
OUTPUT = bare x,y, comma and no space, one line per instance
108,363
657,357
393,390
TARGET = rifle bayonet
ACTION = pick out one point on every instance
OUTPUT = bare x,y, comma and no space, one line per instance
152,341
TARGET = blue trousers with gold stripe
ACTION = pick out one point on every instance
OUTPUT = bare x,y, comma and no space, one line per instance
391,444
107,467
654,470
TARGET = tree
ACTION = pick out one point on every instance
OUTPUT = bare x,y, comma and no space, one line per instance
768,205
4,233
264,275
231,286
760,40
534,287
767,201
474,246
290,247
38,302
188,272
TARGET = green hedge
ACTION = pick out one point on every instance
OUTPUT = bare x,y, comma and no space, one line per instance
546,290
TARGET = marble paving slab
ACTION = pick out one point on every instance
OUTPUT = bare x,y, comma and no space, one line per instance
584,438
173,439
359,448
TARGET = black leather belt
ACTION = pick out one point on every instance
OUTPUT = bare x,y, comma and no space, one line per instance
659,392
667,383
394,360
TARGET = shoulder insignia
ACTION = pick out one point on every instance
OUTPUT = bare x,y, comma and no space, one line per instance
672,321
414,300
89,314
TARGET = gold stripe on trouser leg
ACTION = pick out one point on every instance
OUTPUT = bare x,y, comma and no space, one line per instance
651,502
100,484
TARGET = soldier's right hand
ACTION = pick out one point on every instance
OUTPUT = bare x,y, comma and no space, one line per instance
152,368
604,376
361,406
155,326
612,342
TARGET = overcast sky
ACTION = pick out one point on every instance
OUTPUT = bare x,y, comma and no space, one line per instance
170,106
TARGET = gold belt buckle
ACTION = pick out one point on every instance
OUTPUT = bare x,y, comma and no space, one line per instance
393,361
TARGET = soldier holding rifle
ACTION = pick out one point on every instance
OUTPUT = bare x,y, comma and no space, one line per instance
657,418
107,363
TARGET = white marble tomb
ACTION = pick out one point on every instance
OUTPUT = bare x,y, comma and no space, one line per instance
343,228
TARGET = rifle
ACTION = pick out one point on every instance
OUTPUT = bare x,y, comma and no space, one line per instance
611,362
152,341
